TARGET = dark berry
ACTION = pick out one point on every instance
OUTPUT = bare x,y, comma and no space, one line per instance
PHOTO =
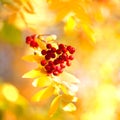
49,52
58,51
43,62
53,55
69,48
47,57
50,62
47,67
56,61
53,49
49,46
61,46
43,52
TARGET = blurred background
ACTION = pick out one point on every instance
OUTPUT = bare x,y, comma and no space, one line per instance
91,26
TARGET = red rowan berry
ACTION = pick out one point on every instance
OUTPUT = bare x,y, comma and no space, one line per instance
62,65
64,50
43,52
47,67
49,46
53,55
33,44
53,49
33,36
71,57
68,63
50,62
28,39
58,51
61,46
43,62
55,73
47,57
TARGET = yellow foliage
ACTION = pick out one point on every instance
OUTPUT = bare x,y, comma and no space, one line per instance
43,94
54,105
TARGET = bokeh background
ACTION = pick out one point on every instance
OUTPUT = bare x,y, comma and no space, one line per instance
91,26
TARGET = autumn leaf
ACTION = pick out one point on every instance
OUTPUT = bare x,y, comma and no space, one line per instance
42,81
67,77
34,73
54,105
33,58
70,107
69,98
43,94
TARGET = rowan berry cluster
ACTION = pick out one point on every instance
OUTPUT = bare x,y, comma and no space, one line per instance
56,59
30,40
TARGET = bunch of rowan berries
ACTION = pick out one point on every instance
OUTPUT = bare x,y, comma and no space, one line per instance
55,58
30,40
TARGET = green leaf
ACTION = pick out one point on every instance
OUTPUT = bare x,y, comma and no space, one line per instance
43,94
54,105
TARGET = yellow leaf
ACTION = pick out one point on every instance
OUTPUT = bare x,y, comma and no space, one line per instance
43,94
43,81
54,105
89,32
67,77
34,73
70,107
33,58
70,25
69,98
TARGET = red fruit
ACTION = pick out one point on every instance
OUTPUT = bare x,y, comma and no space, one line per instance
50,62
53,49
33,36
33,44
64,56
68,63
28,39
47,67
58,51
53,55
43,52
56,61
47,57
62,65
61,46
55,73
49,46
43,62
71,57
71,49
64,50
